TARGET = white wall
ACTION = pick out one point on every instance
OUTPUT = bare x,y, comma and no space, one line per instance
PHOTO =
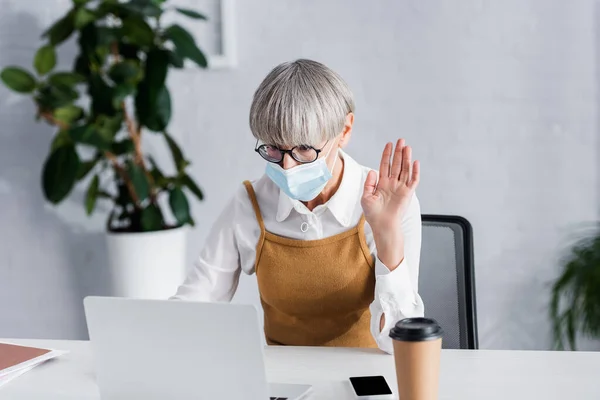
498,99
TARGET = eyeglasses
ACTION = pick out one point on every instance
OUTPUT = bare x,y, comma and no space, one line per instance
303,154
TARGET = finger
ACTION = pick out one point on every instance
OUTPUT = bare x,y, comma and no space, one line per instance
406,161
370,184
416,175
384,167
397,161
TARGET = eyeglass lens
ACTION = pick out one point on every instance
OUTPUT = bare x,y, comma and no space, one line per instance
299,153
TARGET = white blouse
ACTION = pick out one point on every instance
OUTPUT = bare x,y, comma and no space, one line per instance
231,246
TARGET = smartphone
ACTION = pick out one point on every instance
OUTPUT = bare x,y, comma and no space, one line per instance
371,388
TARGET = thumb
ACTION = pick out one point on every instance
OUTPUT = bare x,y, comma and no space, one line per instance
370,184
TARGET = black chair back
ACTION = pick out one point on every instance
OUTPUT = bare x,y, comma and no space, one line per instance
447,278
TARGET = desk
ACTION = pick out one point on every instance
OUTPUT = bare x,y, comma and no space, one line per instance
465,375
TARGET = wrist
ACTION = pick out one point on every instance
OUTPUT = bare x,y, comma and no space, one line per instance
390,261
390,249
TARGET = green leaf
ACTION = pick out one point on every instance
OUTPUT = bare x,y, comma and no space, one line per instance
161,116
45,59
153,102
85,168
144,8
83,16
179,205
137,31
61,30
87,40
112,123
80,2
18,79
139,180
60,173
66,79
111,7
68,113
122,92
109,126
126,72
62,138
185,45
153,111
56,96
190,13
89,135
176,60
122,147
143,104
123,195
157,66
94,48
159,178
102,96
180,162
91,195
129,51
152,219
192,186
81,66
105,36
64,93
571,330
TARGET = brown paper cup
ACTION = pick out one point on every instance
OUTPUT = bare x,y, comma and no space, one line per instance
417,349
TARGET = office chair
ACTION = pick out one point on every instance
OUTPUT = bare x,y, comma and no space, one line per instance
447,279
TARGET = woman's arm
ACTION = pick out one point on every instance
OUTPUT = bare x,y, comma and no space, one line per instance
396,290
215,274
392,210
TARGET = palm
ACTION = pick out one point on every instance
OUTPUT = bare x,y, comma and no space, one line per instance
387,197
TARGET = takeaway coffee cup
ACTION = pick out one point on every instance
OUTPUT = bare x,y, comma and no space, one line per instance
417,349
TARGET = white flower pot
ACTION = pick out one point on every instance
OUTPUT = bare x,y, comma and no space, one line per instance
147,265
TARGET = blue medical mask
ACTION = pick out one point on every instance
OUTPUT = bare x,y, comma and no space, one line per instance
303,182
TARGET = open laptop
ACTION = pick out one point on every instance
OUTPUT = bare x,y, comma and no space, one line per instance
171,349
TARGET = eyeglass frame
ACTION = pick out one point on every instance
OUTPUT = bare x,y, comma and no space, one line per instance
290,152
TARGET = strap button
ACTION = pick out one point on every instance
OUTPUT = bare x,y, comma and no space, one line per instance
304,227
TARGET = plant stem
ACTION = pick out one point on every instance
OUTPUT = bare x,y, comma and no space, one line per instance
53,121
123,174
135,134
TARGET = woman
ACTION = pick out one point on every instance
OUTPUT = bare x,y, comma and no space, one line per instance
335,246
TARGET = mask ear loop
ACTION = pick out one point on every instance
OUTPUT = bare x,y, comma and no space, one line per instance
334,161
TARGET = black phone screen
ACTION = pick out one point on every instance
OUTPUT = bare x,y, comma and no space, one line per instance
370,385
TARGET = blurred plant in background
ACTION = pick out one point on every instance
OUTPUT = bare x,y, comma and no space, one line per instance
114,94
575,302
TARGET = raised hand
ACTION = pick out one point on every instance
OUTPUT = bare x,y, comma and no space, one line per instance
387,197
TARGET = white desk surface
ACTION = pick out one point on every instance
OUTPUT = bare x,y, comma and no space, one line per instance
465,375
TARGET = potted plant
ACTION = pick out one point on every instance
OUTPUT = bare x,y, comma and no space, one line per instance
114,95
575,302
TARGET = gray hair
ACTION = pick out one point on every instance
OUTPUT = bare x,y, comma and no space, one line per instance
300,102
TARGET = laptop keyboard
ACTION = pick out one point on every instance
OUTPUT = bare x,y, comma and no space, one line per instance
278,398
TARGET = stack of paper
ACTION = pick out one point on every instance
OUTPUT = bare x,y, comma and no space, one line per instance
15,360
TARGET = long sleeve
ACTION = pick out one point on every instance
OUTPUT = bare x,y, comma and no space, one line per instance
215,274
396,292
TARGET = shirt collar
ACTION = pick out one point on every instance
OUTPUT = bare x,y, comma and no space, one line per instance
341,204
